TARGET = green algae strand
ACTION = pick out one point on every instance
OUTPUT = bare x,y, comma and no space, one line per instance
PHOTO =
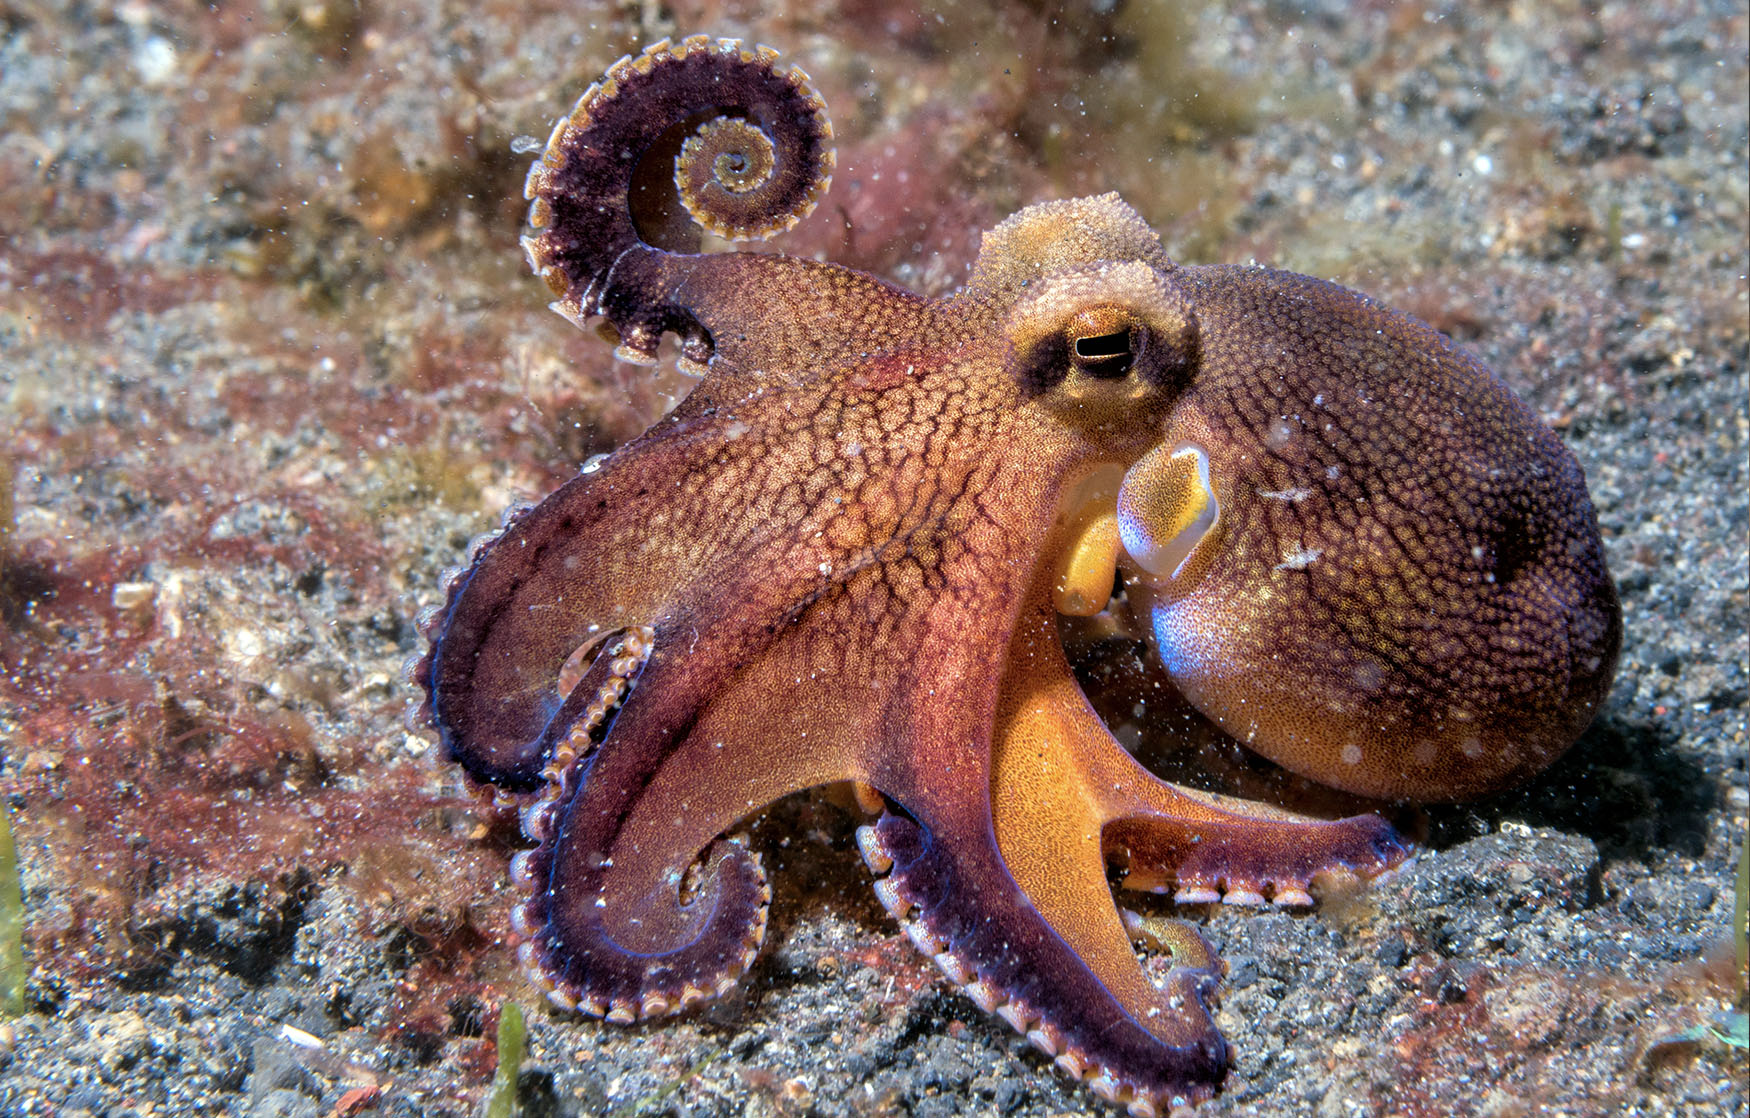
501,1100
12,968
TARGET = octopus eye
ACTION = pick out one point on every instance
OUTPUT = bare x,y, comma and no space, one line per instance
1104,342
1114,333
1166,508
1104,345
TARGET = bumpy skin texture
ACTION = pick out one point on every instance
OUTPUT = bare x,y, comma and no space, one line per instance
843,555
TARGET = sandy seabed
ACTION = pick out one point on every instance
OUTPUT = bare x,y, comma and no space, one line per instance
270,358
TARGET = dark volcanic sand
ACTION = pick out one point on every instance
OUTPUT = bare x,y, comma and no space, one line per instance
270,358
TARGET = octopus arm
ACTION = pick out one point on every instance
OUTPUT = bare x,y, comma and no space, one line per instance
638,907
1052,748
1064,799
1006,887
684,138
613,550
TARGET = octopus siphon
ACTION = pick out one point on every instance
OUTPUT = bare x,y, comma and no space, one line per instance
846,554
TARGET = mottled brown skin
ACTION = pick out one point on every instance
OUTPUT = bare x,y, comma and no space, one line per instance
1457,628
843,555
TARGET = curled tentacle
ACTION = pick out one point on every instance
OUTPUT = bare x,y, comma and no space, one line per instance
636,907
672,940
579,965
746,144
728,180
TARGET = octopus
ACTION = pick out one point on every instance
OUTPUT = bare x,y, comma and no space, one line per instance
845,556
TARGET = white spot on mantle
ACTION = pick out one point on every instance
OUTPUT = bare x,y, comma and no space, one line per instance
1299,558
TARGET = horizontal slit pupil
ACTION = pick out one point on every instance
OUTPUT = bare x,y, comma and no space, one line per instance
1104,345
